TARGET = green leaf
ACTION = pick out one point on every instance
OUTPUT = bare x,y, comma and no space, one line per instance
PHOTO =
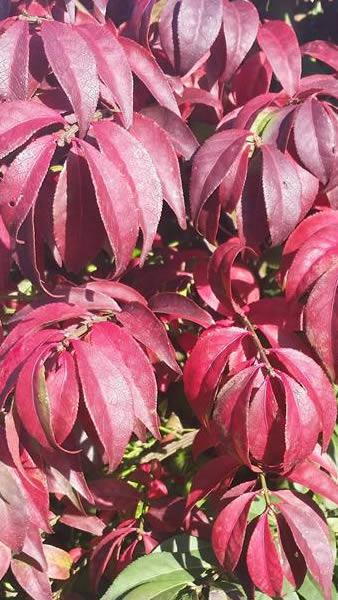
161,575
227,591
182,544
310,591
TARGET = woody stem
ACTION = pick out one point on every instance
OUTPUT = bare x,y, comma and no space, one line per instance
261,350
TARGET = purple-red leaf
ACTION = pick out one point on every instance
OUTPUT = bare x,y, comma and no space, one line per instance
32,580
312,537
108,399
22,182
62,391
14,53
147,329
309,475
315,138
215,472
211,165
13,513
120,347
240,24
112,66
229,530
206,363
115,200
322,50
310,375
282,191
279,42
158,144
263,560
5,559
321,320
74,66
20,120
143,64
181,135
137,169
180,307
188,28
252,78
75,214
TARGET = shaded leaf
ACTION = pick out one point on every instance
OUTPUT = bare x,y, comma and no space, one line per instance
108,398
279,42
114,196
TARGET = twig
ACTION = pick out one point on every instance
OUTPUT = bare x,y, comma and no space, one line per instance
184,442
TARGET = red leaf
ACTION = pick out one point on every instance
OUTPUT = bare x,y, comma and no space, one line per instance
158,144
5,559
62,390
65,474
33,546
20,120
142,324
22,181
76,520
75,214
240,24
114,198
229,530
321,318
121,348
108,399
116,289
139,22
315,139
74,66
178,306
232,415
137,167
143,64
279,42
282,191
188,29
14,52
206,363
221,273
13,512
263,561
181,135
216,472
5,256
302,423
315,256
310,375
309,475
32,580
294,566
30,402
211,165
311,536
112,65
324,51
114,493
